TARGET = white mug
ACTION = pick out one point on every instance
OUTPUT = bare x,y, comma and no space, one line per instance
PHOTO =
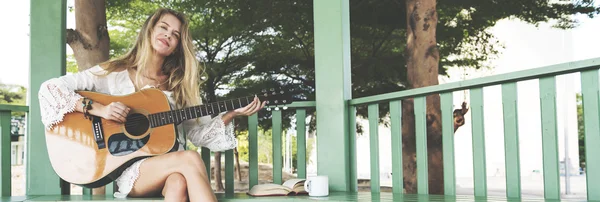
317,186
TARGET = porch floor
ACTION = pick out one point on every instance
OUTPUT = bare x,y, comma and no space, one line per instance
333,196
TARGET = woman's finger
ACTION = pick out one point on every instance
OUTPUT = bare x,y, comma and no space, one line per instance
249,106
256,108
120,106
114,117
122,113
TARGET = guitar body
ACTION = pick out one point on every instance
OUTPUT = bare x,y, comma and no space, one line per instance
93,153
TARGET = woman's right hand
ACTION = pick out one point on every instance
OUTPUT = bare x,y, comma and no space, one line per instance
115,111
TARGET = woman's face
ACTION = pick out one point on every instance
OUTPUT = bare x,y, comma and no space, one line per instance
166,35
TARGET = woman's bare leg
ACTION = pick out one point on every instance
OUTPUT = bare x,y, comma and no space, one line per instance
175,189
155,170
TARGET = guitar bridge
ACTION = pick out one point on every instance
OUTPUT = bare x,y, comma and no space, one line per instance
98,133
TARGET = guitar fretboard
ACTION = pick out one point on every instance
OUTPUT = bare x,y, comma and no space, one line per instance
177,116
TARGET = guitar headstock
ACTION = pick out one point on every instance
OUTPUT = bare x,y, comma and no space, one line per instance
276,98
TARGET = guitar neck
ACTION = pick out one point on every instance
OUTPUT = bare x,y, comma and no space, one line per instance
179,115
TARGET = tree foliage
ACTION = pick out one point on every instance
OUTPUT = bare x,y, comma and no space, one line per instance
13,94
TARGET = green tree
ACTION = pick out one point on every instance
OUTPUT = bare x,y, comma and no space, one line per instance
71,64
402,45
15,95
265,155
580,131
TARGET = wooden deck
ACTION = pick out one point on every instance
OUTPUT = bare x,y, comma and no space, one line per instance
334,196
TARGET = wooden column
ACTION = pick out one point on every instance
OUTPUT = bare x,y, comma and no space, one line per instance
47,60
333,90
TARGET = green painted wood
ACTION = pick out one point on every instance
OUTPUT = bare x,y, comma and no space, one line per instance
549,137
353,179
205,153
591,113
110,189
396,133
277,156
229,172
479,165
14,108
253,150
47,60
15,198
301,142
373,111
86,191
551,70
333,89
297,105
447,110
420,108
511,140
5,165
333,196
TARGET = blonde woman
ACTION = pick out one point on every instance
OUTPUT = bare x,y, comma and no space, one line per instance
163,57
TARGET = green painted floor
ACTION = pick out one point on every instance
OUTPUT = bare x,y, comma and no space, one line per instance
334,196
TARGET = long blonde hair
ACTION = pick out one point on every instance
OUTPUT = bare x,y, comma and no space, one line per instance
181,67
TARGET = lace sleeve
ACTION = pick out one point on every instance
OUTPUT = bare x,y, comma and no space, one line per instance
211,133
57,96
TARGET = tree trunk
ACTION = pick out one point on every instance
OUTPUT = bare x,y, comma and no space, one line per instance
89,40
422,70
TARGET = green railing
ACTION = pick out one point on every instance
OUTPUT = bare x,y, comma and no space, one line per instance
298,107
546,75
547,79
5,165
276,118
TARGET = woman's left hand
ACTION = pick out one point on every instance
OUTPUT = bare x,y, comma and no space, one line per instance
251,108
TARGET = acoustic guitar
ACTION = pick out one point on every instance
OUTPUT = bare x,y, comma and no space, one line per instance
93,153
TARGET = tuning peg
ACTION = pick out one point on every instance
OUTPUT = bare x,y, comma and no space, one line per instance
285,107
268,108
277,108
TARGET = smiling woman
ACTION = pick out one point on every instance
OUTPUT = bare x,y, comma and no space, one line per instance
162,58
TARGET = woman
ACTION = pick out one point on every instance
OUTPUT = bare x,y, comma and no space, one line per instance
163,58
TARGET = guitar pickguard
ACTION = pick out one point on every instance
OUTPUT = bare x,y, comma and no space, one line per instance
120,145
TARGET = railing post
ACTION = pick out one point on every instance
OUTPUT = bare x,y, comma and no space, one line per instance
333,90
5,179
253,150
47,60
276,147
549,138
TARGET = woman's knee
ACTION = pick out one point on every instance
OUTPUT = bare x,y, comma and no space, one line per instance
192,158
175,187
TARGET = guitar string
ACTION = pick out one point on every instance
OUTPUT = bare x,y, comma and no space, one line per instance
141,119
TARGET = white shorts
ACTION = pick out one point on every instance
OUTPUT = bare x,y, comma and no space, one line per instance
126,180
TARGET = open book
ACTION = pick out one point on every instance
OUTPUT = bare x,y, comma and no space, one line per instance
289,187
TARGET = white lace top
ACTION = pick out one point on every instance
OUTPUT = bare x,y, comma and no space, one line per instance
57,97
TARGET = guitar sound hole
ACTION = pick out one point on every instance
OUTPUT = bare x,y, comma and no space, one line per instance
137,124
